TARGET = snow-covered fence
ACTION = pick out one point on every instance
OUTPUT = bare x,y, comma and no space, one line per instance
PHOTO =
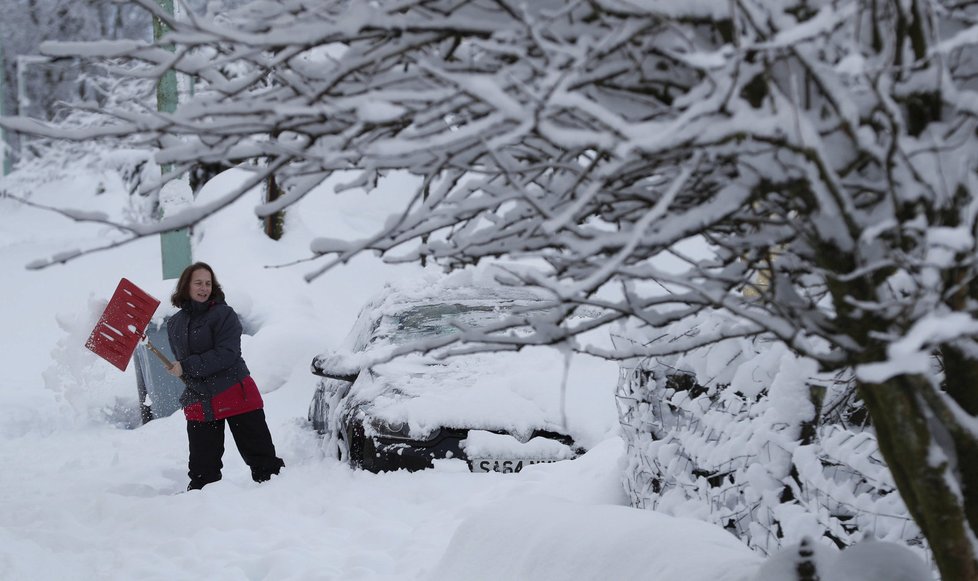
748,436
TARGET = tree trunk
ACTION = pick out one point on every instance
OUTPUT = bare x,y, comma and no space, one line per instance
913,423
274,223
962,377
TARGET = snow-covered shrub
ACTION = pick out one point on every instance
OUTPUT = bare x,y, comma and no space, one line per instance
749,436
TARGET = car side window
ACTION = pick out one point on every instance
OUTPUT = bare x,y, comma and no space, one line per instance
363,327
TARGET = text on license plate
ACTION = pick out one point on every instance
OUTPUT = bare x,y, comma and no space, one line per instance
493,465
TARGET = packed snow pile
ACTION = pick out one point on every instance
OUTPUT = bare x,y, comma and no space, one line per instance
543,540
549,538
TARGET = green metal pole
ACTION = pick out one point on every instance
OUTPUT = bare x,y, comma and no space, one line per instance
175,249
4,153
166,88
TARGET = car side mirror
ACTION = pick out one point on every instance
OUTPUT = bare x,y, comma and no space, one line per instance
340,365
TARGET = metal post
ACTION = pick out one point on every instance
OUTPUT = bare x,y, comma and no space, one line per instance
166,87
4,153
23,99
175,251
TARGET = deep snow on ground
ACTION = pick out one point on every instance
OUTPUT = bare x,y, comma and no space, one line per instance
82,497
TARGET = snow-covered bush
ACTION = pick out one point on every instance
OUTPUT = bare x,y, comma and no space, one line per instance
749,436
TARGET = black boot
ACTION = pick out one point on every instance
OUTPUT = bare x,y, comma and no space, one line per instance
196,483
265,474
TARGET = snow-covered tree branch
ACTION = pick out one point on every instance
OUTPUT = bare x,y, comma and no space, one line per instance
818,156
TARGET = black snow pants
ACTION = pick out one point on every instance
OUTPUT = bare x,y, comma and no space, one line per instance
251,436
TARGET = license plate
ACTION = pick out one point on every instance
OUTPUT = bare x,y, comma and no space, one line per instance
506,466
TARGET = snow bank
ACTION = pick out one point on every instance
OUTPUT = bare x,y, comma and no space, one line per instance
542,539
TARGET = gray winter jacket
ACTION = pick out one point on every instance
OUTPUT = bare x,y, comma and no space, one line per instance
206,340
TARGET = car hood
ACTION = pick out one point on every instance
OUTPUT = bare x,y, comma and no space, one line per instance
514,392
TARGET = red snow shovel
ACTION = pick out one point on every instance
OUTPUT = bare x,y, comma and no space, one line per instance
123,325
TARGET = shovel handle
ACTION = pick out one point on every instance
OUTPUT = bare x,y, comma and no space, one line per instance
163,358
158,353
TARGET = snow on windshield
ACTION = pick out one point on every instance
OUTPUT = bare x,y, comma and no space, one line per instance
445,318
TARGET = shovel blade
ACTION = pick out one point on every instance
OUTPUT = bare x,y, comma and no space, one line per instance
122,324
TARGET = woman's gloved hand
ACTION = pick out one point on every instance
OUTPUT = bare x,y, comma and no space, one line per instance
175,370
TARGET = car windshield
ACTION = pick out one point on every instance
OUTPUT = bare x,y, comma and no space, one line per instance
432,320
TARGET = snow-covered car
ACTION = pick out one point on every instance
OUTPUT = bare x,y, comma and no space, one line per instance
497,411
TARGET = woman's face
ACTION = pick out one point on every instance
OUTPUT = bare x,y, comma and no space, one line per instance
200,285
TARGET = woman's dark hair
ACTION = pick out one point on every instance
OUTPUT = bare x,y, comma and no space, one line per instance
182,293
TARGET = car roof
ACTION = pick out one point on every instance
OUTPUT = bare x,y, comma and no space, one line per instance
468,294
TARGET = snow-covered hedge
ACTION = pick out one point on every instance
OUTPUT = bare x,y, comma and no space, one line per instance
747,435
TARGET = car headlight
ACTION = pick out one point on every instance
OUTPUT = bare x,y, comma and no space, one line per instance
396,430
